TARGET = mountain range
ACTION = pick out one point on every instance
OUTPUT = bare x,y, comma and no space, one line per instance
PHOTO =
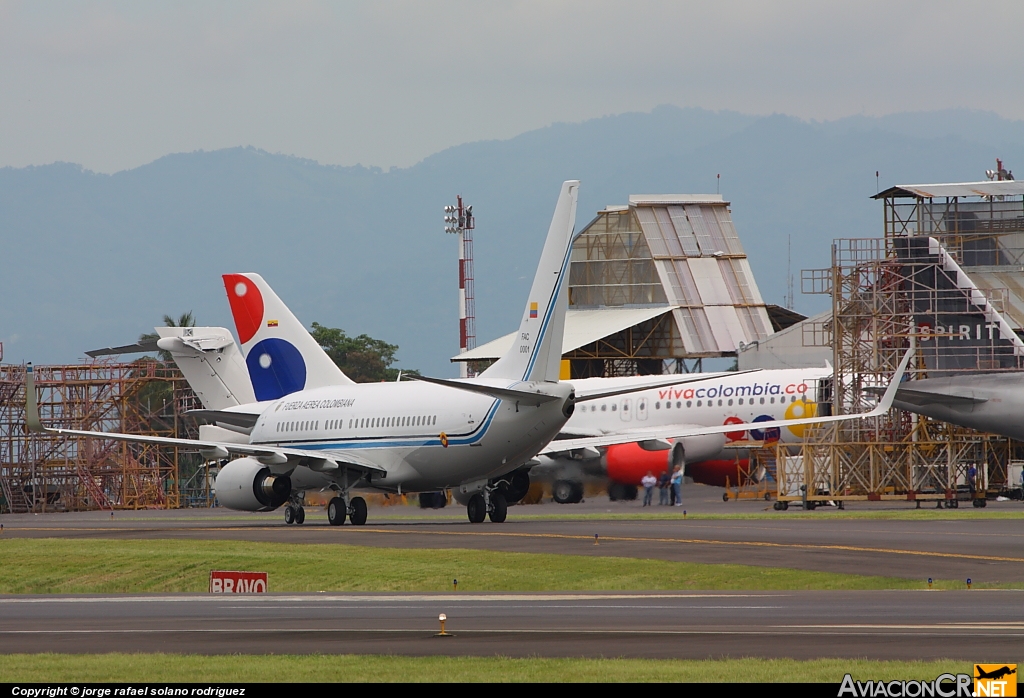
93,260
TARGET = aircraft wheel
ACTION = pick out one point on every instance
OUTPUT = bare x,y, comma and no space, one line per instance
300,515
777,506
767,497
577,496
564,491
810,506
289,515
499,508
476,509
336,511
358,514
984,503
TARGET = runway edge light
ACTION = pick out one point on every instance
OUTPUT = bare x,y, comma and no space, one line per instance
442,617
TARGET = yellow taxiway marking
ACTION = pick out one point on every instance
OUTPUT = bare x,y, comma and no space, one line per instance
557,536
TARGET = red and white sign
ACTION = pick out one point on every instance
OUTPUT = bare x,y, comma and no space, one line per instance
228,582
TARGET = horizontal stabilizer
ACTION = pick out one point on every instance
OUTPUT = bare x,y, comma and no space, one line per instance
523,396
137,348
237,419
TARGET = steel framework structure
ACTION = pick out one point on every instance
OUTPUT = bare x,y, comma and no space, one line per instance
892,294
49,473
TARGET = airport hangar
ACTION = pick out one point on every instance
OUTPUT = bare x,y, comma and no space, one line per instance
654,284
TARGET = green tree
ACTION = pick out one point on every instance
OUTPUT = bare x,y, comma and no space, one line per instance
183,320
363,358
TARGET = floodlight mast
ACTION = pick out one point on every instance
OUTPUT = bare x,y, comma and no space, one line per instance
460,221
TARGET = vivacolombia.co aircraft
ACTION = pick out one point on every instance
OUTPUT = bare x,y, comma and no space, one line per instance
747,399
426,435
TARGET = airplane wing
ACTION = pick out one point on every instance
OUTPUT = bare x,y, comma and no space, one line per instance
581,395
681,431
275,457
922,398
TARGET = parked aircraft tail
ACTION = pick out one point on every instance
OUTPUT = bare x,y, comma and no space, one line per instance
536,354
280,354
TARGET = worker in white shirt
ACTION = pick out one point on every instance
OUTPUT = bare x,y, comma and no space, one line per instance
648,481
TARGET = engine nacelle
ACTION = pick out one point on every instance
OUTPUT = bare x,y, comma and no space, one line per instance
628,463
248,485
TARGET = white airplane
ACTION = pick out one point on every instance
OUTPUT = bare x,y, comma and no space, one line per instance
731,398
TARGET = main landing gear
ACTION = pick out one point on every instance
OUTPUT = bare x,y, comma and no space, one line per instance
355,511
491,503
294,514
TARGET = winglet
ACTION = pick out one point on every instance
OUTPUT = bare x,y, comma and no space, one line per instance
31,403
890,392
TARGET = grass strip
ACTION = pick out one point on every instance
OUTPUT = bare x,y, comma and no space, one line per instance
62,668
55,565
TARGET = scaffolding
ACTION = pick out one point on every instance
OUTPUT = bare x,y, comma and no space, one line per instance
44,472
915,288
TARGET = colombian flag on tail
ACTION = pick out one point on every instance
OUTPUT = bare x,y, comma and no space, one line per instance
533,310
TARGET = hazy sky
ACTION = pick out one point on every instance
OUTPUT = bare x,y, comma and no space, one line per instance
113,85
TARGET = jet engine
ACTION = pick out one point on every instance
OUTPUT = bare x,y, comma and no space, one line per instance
628,463
248,485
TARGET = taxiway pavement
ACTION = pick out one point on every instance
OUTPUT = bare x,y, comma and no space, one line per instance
985,550
964,625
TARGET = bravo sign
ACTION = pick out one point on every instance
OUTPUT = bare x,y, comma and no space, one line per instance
229,582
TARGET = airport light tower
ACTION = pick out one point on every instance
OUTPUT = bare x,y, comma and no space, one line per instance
459,221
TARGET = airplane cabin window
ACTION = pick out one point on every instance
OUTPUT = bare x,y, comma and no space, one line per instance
657,405
741,401
698,403
719,403
689,403
730,403
668,405
679,404
762,401
604,407
614,407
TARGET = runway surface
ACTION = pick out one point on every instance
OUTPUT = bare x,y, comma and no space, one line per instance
986,550
969,625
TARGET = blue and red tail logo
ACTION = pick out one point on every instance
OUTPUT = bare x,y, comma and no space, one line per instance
533,311
276,367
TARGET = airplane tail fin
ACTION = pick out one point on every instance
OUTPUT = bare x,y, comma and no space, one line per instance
536,354
281,355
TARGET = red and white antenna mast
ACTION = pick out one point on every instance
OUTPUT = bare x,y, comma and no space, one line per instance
459,221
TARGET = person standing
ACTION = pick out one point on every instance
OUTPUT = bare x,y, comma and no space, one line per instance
677,485
664,485
648,481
